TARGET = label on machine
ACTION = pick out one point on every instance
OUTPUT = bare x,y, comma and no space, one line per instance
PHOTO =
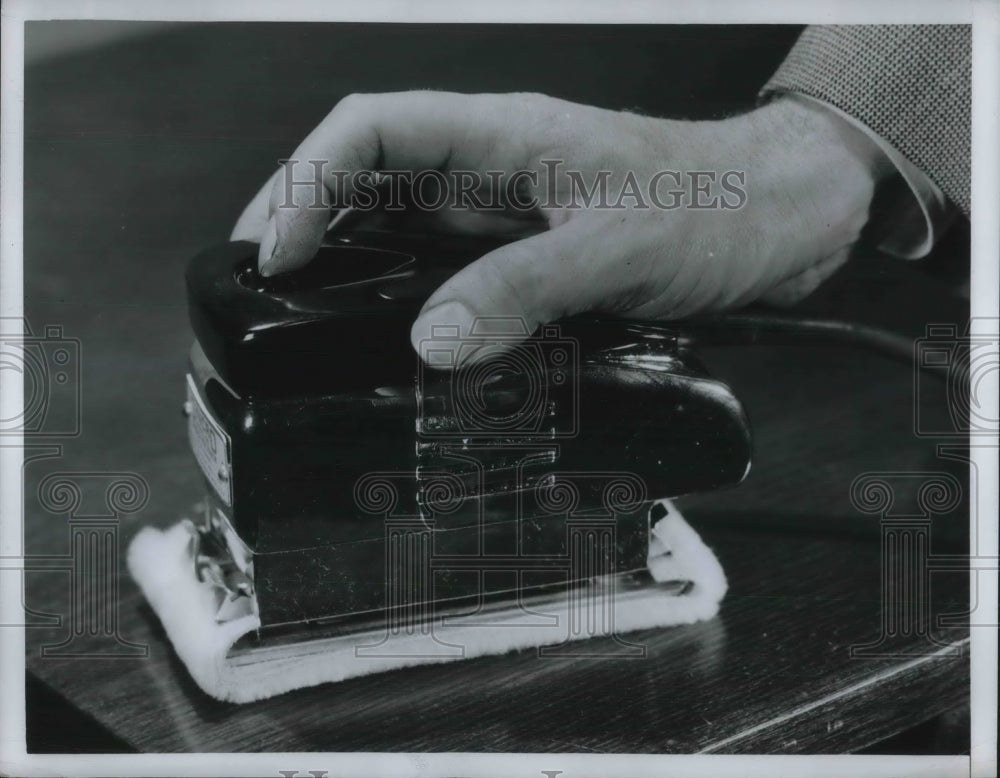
210,444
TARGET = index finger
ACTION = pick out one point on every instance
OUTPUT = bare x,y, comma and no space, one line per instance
398,131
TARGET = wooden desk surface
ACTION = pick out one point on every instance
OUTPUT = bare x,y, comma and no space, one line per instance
140,155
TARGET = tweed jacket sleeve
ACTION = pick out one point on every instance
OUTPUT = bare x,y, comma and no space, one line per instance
910,85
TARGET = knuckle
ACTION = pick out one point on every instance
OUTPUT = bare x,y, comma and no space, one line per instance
349,133
352,103
529,99
503,275
534,107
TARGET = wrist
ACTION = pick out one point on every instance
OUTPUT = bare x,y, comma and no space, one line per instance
821,170
825,125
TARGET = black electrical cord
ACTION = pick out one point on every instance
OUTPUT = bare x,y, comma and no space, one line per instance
779,329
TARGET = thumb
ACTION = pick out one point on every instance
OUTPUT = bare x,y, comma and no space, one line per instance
512,290
801,285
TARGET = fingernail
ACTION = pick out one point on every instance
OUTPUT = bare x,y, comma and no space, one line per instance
435,333
268,243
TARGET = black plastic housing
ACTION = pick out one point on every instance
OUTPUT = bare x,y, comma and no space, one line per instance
345,448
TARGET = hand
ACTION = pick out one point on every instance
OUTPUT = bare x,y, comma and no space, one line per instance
806,177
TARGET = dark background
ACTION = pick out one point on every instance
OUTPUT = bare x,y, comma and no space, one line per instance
142,152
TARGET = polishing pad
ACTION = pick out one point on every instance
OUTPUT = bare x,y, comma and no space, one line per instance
685,584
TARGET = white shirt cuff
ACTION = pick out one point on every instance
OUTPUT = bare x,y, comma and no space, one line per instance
915,223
